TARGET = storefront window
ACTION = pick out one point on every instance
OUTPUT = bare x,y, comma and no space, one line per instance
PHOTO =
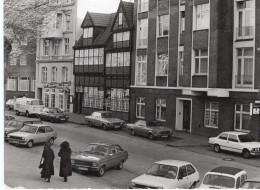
161,109
242,117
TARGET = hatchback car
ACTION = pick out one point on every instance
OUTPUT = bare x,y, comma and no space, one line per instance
167,174
253,183
223,177
52,115
98,157
31,134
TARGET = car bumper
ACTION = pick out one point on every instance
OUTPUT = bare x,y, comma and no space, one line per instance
162,135
15,141
84,168
114,126
255,153
61,119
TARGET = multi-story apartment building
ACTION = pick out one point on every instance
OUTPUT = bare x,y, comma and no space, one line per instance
54,63
102,62
197,70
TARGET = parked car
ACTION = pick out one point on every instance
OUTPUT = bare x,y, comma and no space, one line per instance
10,104
167,174
31,134
53,114
8,118
17,124
235,141
28,106
223,177
98,157
150,129
104,119
253,183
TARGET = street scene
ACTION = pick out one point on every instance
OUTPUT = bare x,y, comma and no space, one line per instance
131,94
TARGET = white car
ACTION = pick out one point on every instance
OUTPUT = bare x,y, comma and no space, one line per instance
253,183
235,141
223,177
167,174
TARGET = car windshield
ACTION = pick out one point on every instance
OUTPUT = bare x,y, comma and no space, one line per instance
36,102
107,115
245,138
250,185
97,149
55,110
29,129
161,170
219,181
16,124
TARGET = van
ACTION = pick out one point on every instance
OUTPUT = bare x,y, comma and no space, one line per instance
29,106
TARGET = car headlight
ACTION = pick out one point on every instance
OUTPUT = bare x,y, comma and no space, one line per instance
8,136
23,138
72,161
132,184
94,164
256,149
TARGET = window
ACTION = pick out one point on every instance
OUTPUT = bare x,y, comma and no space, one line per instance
242,117
163,25
223,136
11,83
182,21
46,47
120,19
56,47
202,16
41,130
67,45
190,169
52,93
180,66
23,84
245,19
48,129
119,99
140,107
118,59
244,71
161,109
54,74
232,138
93,97
65,74
61,99
23,59
211,114
201,61
59,21
143,5
162,63
44,74
182,172
121,39
46,98
33,84
67,16
142,33
88,33
141,70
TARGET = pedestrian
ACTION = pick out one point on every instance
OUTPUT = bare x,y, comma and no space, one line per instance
48,158
65,161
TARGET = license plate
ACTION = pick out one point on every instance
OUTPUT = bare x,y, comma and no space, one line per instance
164,136
85,169
12,141
117,126
62,119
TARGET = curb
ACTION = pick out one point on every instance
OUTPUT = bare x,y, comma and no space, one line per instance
76,122
200,145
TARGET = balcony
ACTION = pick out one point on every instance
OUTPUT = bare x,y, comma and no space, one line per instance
52,34
244,81
246,32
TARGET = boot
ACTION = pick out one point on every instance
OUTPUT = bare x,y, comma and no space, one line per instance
65,179
49,180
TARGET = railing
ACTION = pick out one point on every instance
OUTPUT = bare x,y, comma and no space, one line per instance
245,32
244,80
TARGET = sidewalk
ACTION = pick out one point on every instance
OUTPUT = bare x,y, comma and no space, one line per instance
179,139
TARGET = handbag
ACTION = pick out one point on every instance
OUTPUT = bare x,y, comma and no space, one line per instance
41,164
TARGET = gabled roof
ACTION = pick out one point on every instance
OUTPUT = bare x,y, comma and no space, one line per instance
97,19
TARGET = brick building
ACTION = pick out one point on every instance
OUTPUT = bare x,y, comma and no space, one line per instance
102,62
197,69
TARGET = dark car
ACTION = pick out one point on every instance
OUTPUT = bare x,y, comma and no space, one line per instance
17,124
150,129
53,115
8,118
98,157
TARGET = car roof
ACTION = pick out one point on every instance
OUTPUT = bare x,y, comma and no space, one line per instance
173,162
39,125
25,119
227,170
235,132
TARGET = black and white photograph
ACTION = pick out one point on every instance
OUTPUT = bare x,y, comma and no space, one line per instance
130,94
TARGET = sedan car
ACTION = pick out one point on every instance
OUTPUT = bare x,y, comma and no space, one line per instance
167,174
31,134
253,183
235,141
150,129
104,119
223,177
53,114
10,104
8,118
98,157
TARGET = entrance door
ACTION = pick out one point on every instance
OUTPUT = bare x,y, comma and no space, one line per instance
186,116
183,113
79,102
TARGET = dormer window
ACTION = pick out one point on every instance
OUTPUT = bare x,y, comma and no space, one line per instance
88,32
120,19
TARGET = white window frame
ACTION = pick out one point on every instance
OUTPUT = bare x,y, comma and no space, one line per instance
200,13
120,19
139,105
161,66
23,59
143,6
11,87
181,62
54,73
61,99
46,98
33,80
211,110
65,75
44,74
182,22
59,22
56,45
143,63
23,82
200,57
46,49
142,33
159,105
68,19
241,113
88,32
53,97
67,46
163,23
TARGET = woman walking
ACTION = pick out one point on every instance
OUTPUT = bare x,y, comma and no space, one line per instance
65,161
48,158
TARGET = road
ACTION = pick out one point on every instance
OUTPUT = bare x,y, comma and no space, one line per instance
21,164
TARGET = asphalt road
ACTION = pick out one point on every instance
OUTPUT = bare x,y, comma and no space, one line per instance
21,164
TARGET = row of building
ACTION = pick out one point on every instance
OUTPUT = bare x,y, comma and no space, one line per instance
193,65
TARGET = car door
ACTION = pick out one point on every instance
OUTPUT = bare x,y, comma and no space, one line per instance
94,118
41,136
182,179
222,141
141,127
233,143
114,156
192,176
49,133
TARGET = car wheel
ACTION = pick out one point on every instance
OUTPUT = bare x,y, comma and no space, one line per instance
51,141
120,165
17,112
193,185
151,137
246,154
104,127
101,171
27,114
217,148
133,132
30,144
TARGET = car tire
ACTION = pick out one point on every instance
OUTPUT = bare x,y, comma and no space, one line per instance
27,114
17,112
51,141
133,132
150,136
217,148
246,154
193,186
101,171
120,165
30,144
104,127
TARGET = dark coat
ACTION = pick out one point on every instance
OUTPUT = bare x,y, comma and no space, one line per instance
65,162
48,168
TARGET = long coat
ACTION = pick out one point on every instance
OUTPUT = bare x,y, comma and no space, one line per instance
65,162
48,168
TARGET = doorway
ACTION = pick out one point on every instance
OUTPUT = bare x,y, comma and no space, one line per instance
183,115
79,98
